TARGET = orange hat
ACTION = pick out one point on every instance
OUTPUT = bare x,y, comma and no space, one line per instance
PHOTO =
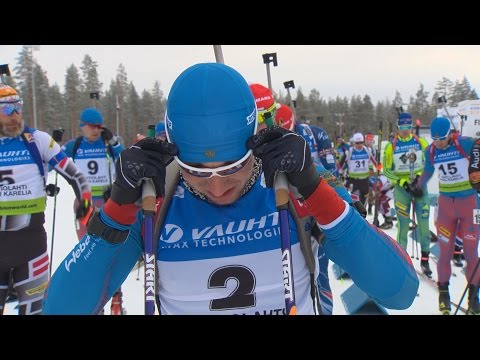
369,138
284,117
8,94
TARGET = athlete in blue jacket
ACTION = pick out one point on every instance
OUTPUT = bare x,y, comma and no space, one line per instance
457,203
94,153
219,248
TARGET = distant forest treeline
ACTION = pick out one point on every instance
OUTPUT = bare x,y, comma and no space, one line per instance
57,107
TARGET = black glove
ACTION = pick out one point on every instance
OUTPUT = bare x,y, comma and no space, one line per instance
107,192
415,190
52,190
286,151
148,158
107,136
57,134
358,205
83,208
406,186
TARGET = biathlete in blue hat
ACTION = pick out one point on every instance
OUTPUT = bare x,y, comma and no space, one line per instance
218,251
94,153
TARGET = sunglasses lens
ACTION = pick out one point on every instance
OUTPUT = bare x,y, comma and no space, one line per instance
199,174
231,171
225,172
9,109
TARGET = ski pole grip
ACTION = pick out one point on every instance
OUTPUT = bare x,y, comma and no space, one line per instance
148,196
281,189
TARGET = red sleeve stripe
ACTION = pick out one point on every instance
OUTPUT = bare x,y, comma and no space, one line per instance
122,214
326,206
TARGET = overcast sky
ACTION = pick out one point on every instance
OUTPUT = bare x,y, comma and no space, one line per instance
345,70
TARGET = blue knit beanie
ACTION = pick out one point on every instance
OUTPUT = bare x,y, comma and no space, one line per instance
210,114
91,116
440,128
404,121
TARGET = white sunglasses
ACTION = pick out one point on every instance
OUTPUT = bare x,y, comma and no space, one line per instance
221,171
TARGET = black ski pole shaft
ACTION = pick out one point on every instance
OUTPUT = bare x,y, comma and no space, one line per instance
53,223
466,287
57,135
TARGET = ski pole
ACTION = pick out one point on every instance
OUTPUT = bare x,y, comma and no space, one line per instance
267,59
290,84
53,223
149,208
414,230
281,199
466,288
218,54
443,100
412,157
377,178
57,135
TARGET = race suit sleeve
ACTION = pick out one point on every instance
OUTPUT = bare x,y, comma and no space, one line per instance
375,262
117,149
57,159
428,170
92,272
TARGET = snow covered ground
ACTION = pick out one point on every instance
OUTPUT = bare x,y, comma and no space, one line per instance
65,239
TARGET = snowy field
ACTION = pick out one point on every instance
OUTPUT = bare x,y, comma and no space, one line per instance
426,302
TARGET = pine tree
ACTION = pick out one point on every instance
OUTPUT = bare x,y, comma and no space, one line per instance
420,107
121,85
73,100
147,116
55,113
132,109
90,82
23,76
159,103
